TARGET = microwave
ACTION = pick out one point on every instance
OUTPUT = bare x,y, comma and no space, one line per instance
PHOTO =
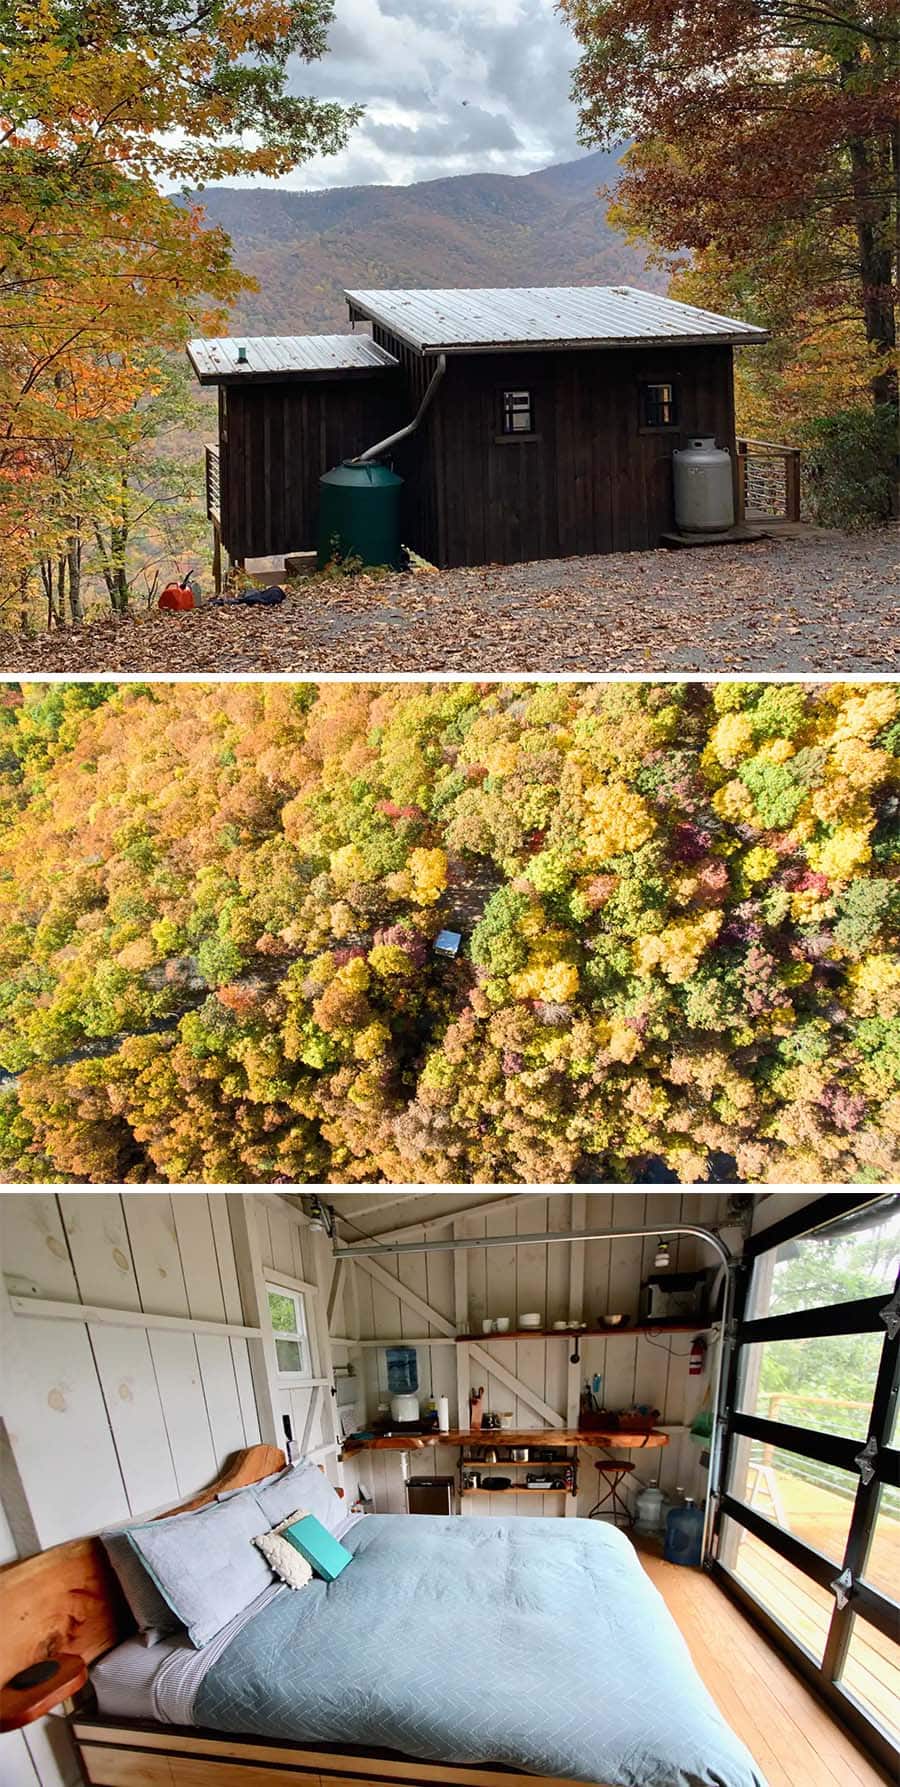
677,1297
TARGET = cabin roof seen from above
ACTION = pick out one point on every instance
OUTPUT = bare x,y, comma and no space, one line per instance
593,316
273,358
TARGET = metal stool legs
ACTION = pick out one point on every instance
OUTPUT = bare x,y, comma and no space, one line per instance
613,1475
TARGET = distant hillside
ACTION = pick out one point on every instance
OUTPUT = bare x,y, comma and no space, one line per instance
545,228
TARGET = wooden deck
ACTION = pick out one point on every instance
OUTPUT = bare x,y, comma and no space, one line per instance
788,1731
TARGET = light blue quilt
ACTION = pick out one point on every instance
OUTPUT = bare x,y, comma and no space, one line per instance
538,1644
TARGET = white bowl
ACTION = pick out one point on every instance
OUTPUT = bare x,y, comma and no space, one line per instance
532,1320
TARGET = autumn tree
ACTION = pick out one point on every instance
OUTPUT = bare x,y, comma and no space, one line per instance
103,104
760,126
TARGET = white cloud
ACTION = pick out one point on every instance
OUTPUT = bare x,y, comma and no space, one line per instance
449,86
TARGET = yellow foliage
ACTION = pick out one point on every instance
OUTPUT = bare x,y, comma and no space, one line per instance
428,870
617,819
678,948
554,982
841,854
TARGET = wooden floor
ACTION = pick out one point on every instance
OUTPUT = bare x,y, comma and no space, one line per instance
787,1730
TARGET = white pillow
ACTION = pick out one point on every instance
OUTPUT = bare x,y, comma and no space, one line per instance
282,1556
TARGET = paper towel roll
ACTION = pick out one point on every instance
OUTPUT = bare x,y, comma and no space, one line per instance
443,1414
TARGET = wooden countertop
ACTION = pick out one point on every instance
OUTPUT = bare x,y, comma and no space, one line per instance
620,1439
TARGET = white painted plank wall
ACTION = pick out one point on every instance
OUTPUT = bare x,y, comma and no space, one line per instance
105,1423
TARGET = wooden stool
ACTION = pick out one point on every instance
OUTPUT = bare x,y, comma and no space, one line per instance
611,1474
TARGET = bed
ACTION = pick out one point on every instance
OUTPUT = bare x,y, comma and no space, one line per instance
478,1650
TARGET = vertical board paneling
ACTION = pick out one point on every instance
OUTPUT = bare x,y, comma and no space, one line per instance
16,1766
220,1395
52,1753
59,1431
128,1380
34,1245
154,1249
178,1376
100,1249
197,1250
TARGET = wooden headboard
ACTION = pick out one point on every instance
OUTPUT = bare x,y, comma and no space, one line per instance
67,1600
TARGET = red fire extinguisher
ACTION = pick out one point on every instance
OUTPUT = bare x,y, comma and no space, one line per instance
697,1356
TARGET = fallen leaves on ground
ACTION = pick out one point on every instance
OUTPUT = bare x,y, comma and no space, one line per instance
818,602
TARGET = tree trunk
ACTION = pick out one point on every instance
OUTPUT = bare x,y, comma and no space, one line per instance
870,162
76,606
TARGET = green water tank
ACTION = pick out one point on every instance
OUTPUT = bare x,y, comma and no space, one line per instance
359,514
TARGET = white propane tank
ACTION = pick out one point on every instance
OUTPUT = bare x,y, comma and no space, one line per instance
704,489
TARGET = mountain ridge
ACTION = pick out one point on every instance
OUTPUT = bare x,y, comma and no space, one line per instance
547,227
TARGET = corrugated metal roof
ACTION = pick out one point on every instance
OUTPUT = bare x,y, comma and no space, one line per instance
544,316
286,356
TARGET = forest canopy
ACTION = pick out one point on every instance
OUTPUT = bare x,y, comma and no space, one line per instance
678,903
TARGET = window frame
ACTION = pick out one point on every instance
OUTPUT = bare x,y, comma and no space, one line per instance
864,1315
645,386
300,1334
507,410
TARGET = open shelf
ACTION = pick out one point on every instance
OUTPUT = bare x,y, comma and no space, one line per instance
629,1328
513,1464
514,1491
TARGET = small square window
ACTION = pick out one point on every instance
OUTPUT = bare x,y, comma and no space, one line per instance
659,406
288,1318
518,412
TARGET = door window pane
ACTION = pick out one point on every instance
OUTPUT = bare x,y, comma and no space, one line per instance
824,1384
811,1500
797,1603
816,1272
871,1673
882,1566
288,1355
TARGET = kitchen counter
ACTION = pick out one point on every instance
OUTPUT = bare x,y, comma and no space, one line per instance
604,1439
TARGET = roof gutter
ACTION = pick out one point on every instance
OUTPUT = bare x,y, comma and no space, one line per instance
393,440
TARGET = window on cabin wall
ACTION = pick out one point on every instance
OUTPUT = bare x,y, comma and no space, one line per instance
518,412
659,405
287,1313
809,1522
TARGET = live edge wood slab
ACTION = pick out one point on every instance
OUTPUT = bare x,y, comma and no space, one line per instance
66,1604
619,1438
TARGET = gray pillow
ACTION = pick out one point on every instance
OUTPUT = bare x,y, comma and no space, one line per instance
153,1616
304,1486
206,1567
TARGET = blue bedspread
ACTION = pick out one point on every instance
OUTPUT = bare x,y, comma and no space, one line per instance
540,1644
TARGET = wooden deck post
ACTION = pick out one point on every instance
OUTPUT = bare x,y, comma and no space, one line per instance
217,559
792,484
741,489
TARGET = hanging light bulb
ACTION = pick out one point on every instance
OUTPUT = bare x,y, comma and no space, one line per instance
661,1257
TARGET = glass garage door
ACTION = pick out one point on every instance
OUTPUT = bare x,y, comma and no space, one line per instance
807,1527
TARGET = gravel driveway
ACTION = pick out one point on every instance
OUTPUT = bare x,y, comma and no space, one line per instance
814,601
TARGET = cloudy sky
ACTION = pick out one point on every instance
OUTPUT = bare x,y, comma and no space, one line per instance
449,86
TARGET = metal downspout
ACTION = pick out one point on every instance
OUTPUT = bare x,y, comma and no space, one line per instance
393,440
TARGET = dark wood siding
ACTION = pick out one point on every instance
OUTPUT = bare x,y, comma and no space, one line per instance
590,479
277,440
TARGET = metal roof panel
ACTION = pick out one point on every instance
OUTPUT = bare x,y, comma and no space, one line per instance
286,356
439,321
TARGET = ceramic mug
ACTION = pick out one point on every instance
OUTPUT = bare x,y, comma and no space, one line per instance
487,1326
502,1324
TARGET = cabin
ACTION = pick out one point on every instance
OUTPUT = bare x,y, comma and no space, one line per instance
380,1486
549,429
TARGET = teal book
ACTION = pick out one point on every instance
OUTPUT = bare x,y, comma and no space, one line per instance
327,1556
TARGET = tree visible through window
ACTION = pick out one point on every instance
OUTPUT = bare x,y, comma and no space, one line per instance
659,406
288,1318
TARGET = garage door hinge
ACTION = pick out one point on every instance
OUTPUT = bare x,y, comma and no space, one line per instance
865,1460
842,1588
890,1316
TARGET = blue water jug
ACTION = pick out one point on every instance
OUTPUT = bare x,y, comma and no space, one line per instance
684,1535
402,1370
